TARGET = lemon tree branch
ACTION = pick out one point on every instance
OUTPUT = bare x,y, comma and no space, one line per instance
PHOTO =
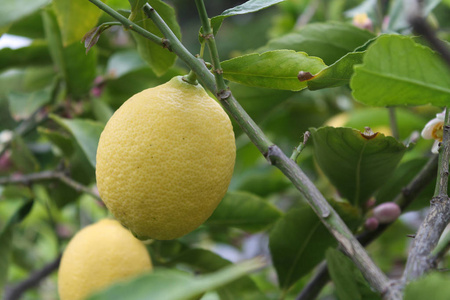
276,157
421,257
49,175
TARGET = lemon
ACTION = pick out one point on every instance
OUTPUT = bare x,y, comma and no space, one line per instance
97,256
165,160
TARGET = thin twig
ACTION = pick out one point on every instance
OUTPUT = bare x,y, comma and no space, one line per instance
48,175
15,292
300,147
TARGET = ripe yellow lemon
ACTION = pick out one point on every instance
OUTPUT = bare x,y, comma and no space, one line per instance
97,256
165,160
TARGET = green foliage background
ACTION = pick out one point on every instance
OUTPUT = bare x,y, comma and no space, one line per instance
55,100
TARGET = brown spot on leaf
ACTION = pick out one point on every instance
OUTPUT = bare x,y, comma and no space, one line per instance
368,134
304,76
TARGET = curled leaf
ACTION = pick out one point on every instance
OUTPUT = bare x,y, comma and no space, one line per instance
92,36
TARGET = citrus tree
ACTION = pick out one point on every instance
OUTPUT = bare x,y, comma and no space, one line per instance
255,149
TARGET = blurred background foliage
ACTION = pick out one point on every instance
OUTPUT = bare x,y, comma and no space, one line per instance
55,100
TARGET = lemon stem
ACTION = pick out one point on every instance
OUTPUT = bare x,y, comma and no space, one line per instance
191,78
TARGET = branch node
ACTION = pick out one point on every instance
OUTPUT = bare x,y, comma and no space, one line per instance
166,44
208,36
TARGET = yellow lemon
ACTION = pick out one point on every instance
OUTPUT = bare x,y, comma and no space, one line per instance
97,256
165,160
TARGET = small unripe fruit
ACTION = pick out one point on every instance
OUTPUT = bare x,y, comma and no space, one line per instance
387,212
371,224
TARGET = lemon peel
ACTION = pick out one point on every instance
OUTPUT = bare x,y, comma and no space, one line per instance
165,160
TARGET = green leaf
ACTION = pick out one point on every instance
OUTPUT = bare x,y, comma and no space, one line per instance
158,58
329,41
432,286
101,110
77,68
244,211
35,55
262,180
392,74
337,74
123,62
245,8
6,236
357,164
205,261
347,279
73,26
13,11
23,105
274,69
298,243
80,69
86,133
176,285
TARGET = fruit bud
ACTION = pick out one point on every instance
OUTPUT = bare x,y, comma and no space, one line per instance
371,224
387,212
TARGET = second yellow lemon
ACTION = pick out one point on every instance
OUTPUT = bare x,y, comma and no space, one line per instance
165,160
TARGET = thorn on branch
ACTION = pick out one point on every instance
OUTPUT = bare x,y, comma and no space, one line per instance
413,236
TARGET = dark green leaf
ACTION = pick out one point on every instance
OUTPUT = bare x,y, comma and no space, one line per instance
15,10
432,286
244,211
392,74
30,27
158,58
23,105
6,235
75,18
245,8
80,69
54,40
35,55
63,142
86,133
22,157
400,178
298,243
329,41
176,285
205,261
347,279
274,69
262,181
357,164
337,74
